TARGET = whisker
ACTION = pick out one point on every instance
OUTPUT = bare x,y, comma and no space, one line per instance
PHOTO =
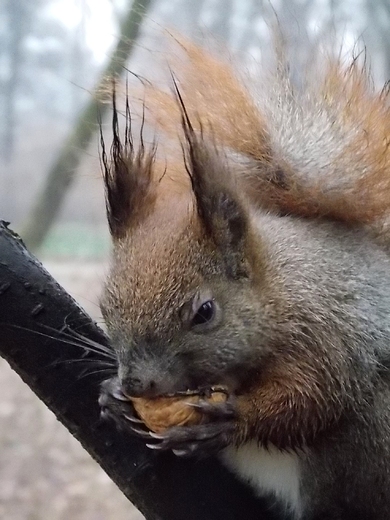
102,367
93,343
87,342
105,371
84,360
97,348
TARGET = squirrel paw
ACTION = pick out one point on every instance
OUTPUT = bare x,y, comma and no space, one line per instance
203,439
117,407
199,440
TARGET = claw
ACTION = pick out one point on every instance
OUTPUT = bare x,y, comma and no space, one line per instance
132,419
214,410
180,453
119,395
102,400
154,446
159,436
141,433
104,414
194,405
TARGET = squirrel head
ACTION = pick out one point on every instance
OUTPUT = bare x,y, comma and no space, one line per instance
180,300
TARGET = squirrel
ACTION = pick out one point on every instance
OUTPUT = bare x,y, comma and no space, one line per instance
256,256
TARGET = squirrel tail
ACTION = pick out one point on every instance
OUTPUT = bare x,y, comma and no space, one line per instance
322,150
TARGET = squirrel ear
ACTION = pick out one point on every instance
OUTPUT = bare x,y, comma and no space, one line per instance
226,222
127,175
221,212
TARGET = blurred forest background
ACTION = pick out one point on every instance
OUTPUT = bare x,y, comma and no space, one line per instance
53,54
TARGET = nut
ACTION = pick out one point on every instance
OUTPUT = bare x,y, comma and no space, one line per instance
163,412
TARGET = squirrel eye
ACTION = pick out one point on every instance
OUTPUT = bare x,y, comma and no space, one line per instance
204,314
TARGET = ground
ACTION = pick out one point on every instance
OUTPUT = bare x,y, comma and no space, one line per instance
45,474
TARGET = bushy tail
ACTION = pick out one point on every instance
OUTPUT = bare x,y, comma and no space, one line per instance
322,151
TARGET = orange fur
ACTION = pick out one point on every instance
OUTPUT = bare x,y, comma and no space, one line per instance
355,186
364,113
215,99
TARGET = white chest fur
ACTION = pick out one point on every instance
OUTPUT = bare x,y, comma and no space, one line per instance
268,471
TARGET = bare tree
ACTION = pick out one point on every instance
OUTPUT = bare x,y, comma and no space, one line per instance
78,56
62,173
17,15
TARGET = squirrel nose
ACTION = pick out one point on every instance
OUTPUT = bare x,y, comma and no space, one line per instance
136,387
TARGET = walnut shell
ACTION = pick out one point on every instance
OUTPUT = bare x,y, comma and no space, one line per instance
163,412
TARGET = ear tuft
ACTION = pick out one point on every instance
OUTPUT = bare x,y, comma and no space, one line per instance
220,209
127,174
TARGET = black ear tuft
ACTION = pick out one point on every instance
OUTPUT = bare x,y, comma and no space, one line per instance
221,212
127,175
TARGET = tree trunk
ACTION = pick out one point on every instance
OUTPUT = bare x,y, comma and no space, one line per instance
62,173
36,317
17,20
